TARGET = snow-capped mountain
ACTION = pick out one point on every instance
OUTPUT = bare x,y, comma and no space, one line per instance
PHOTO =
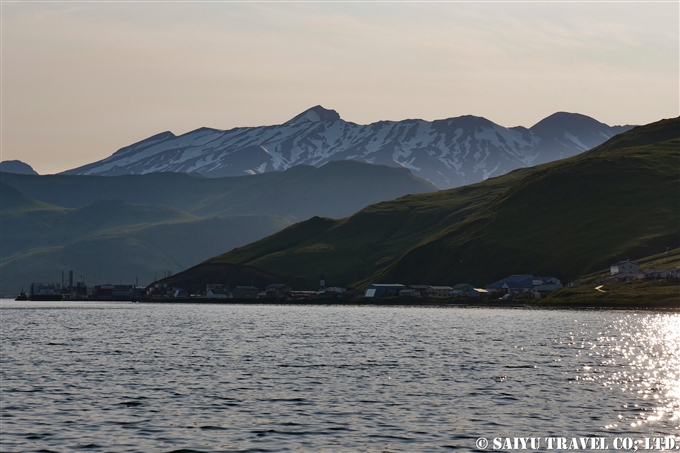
448,153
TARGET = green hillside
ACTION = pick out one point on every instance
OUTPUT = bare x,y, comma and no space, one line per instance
350,249
565,218
637,293
658,132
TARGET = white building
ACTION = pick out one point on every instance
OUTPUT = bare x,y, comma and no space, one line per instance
215,291
624,266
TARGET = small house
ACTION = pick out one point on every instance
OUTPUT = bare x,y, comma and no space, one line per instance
521,286
278,291
548,283
245,292
624,267
463,288
383,290
620,277
516,284
501,286
216,291
661,273
541,291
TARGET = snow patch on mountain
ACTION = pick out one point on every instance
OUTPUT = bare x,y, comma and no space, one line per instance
448,153
574,139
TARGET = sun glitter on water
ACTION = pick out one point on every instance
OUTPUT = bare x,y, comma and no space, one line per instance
644,352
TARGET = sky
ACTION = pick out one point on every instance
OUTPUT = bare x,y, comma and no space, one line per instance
81,80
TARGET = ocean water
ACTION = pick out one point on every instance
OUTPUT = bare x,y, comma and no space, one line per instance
123,377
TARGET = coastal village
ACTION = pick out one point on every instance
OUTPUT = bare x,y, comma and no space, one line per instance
528,286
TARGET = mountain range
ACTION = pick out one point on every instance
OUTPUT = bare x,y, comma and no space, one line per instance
118,229
449,153
566,218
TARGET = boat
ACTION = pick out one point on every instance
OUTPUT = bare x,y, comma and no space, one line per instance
22,296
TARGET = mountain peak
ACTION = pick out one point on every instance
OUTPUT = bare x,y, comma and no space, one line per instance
315,114
567,120
17,166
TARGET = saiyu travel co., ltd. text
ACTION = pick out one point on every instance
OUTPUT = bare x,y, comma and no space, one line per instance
579,443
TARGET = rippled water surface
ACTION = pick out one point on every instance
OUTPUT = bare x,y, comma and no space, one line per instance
162,378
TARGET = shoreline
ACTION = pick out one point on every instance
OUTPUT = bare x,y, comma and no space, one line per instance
430,304
409,303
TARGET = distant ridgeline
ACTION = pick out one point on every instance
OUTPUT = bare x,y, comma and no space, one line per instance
564,219
138,227
16,166
449,153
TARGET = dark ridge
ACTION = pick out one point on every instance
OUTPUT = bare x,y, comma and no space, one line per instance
17,166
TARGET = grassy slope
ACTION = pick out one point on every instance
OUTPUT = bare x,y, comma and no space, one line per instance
658,293
565,218
657,132
350,249
658,260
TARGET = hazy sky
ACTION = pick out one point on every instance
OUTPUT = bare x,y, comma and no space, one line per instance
81,80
